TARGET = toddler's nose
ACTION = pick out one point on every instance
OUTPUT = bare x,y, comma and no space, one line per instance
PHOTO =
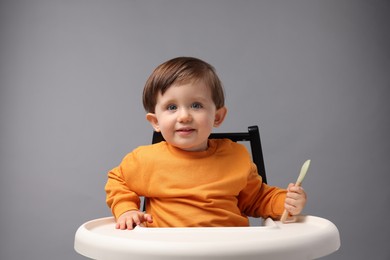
184,115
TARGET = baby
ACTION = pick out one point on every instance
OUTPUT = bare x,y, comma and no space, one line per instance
190,180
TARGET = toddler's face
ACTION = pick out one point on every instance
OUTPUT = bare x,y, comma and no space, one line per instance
186,115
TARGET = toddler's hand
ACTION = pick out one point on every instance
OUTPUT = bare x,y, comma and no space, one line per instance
132,218
295,199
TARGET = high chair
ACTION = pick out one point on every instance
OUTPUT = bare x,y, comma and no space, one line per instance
308,237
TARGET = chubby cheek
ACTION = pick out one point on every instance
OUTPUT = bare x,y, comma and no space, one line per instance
207,123
167,127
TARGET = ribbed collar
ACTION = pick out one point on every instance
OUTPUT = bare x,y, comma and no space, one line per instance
212,147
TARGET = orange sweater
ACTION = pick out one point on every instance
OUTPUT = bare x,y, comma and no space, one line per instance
217,187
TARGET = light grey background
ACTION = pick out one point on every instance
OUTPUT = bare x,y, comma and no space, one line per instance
313,74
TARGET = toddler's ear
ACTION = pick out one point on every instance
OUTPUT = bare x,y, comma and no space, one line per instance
220,115
151,117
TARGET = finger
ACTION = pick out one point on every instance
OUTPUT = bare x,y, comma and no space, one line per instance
145,218
290,208
294,206
148,218
290,202
296,189
129,224
290,185
122,224
295,200
293,195
137,219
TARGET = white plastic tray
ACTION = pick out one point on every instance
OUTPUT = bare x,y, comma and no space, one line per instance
308,238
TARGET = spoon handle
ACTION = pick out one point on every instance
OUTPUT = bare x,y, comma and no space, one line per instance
299,181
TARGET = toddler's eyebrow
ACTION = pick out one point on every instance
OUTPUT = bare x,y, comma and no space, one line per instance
168,102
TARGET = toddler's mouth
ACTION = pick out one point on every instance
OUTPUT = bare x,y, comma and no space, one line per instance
185,130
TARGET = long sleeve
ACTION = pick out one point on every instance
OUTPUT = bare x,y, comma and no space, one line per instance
119,197
258,199
217,187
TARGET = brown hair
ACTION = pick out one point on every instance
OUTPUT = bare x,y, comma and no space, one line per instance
181,70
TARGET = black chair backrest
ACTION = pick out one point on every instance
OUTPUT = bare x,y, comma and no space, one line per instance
252,136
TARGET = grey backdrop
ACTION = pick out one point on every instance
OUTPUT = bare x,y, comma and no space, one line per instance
313,74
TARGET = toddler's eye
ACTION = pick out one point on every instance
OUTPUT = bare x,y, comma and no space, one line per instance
196,105
171,107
